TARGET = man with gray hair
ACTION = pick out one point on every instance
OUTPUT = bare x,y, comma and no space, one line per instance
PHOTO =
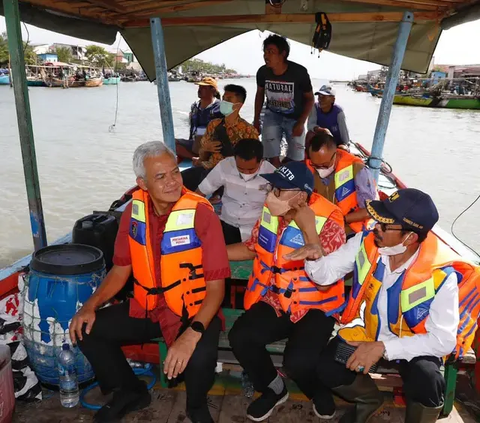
171,239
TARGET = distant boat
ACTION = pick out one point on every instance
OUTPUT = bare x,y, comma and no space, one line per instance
114,80
94,82
33,81
4,79
447,101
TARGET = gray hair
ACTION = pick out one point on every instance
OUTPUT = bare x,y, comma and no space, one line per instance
148,149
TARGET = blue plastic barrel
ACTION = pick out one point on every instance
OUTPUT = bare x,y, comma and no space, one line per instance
61,279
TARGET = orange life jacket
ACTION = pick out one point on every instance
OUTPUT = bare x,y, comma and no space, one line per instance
345,192
183,284
291,283
410,297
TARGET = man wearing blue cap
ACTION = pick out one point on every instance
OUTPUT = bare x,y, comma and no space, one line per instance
327,115
403,308
281,301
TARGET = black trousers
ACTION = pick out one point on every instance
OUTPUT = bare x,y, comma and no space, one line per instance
260,326
230,233
193,177
114,328
422,380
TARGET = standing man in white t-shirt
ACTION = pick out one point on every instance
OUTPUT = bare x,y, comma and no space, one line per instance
244,195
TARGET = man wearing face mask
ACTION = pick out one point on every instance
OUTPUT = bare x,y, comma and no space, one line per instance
280,300
403,308
341,178
221,136
243,200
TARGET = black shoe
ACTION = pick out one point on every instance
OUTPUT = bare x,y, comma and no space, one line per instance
123,402
323,412
262,407
199,415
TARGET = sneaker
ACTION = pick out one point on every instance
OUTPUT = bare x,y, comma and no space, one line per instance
199,415
263,406
122,403
324,414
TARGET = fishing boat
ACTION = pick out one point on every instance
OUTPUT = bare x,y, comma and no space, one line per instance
94,82
447,101
374,26
112,80
4,80
33,81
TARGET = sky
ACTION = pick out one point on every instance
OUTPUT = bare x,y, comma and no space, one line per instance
457,46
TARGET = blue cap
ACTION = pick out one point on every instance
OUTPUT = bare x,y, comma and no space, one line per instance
409,207
290,176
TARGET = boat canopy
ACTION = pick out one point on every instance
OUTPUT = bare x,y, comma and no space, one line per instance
361,29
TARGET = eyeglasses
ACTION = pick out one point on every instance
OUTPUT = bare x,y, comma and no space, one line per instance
322,166
385,227
276,191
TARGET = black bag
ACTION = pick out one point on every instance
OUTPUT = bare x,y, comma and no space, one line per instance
220,134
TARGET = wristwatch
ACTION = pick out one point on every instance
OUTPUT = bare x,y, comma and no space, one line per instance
198,327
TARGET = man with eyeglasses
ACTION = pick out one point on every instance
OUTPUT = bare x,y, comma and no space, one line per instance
281,302
341,178
403,308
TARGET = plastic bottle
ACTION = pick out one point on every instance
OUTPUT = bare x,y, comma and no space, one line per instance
69,394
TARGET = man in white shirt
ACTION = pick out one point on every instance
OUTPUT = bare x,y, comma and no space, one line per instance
244,196
403,307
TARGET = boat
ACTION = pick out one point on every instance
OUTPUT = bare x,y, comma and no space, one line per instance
33,81
94,82
447,101
373,42
4,80
112,80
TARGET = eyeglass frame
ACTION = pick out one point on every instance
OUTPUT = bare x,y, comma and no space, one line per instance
333,158
278,191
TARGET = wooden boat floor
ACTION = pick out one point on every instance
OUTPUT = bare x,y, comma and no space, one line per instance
227,405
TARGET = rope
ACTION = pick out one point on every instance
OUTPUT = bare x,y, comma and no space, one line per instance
458,217
111,128
146,371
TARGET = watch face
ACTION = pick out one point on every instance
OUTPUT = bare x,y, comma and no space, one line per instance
198,327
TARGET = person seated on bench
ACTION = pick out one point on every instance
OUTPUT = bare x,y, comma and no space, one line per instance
172,241
403,307
343,179
201,113
281,301
243,200
221,136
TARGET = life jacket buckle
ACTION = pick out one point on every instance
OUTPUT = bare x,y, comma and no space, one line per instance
288,293
276,269
193,270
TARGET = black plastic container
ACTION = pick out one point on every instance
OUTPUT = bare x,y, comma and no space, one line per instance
98,230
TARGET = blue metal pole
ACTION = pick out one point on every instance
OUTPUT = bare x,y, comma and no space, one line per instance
24,118
166,114
389,93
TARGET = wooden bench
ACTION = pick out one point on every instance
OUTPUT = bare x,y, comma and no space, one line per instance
241,271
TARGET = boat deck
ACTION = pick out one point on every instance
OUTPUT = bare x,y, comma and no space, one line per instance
227,405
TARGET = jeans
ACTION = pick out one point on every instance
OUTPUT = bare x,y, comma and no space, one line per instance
114,328
260,326
275,126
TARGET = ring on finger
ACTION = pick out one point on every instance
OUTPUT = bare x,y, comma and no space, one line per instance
360,369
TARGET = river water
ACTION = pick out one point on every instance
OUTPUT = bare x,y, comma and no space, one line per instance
84,167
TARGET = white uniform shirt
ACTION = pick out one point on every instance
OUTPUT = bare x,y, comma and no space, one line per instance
242,200
441,323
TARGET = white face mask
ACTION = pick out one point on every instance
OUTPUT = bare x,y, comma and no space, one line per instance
395,250
324,173
248,176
